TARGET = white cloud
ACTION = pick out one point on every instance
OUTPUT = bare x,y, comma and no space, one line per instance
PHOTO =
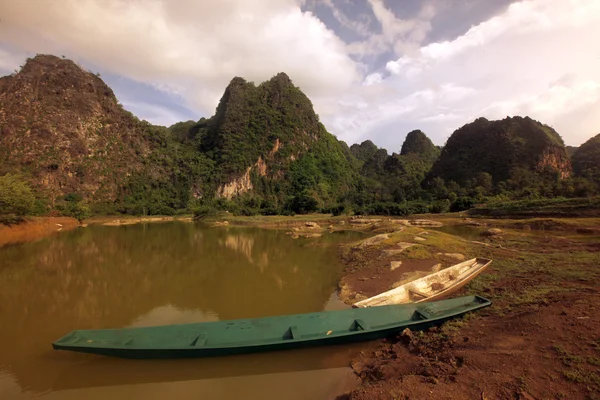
373,78
160,115
539,58
10,61
358,24
189,47
398,35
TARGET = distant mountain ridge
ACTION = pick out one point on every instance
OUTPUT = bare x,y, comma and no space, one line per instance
264,151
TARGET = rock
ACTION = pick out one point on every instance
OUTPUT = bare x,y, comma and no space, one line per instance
372,241
311,225
295,229
425,222
395,264
400,247
363,221
330,227
392,252
399,221
342,222
492,232
420,239
424,233
221,223
310,235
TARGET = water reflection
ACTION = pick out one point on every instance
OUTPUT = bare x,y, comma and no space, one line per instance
154,274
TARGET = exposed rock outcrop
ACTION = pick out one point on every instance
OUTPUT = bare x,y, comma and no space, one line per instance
64,126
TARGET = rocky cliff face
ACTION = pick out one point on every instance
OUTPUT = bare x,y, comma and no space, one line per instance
64,127
258,132
501,147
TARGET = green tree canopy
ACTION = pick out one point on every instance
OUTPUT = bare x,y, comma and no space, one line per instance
16,196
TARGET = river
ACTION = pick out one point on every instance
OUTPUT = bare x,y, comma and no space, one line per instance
165,273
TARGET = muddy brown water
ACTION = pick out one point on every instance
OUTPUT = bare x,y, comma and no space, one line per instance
165,273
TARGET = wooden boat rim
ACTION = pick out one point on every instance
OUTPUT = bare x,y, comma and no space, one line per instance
481,264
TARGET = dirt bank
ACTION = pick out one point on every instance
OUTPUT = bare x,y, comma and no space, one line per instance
539,340
131,220
34,228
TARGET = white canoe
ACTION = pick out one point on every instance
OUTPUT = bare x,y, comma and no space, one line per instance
430,287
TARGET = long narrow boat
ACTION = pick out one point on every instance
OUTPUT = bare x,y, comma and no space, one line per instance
430,287
266,334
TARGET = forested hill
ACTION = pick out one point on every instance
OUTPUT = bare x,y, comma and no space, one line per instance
499,148
67,145
586,159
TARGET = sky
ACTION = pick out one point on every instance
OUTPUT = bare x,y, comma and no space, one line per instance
374,69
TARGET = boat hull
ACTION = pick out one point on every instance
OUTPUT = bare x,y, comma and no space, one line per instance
429,288
242,336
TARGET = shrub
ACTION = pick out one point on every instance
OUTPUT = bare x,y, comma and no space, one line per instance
462,204
338,209
16,196
79,210
205,211
440,206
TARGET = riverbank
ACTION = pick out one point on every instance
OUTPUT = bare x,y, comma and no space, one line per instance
540,339
35,228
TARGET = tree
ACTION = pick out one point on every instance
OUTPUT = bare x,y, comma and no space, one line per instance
16,196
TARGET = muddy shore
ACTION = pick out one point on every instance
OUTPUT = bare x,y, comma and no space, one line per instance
35,228
539,340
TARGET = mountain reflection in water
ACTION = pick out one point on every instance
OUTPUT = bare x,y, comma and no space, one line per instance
156,274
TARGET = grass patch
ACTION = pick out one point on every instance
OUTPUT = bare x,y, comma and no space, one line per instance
455,325
567,358
417,253
578,375
594,361
540,207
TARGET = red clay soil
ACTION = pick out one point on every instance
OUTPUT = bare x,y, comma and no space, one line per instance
533,354
539,340
35,228
376,277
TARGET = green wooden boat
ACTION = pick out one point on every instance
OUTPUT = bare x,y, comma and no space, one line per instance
266,334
